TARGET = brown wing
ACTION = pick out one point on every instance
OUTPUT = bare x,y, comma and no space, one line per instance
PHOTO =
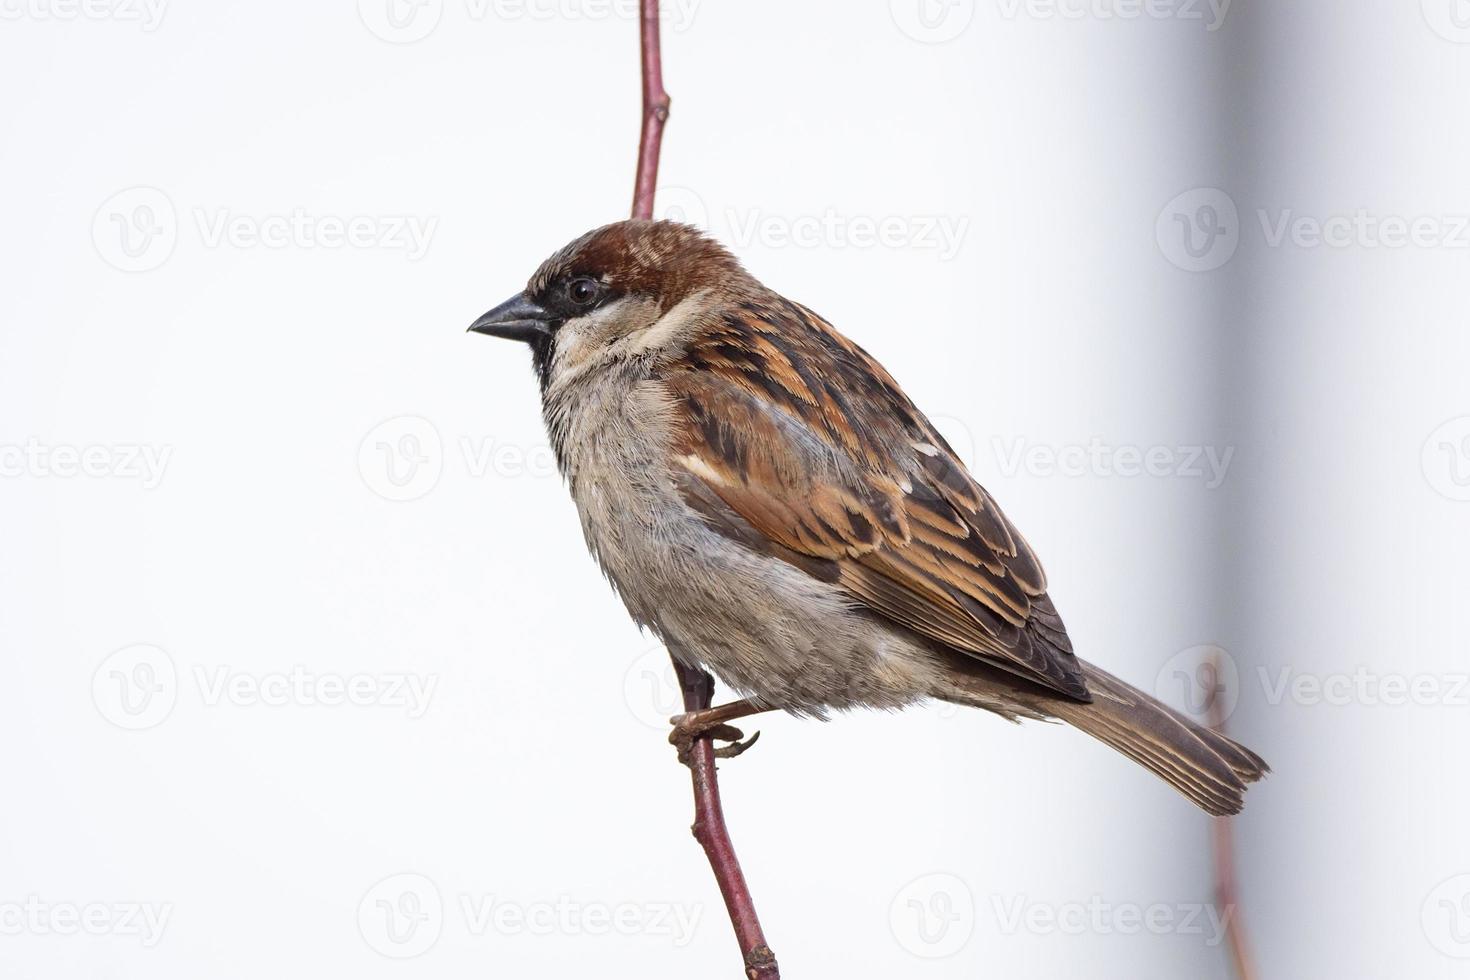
810,441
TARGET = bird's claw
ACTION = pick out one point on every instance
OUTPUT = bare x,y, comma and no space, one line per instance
687,731
736,746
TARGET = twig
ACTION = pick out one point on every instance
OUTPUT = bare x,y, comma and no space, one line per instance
1226,896
709,829
697,686
655,110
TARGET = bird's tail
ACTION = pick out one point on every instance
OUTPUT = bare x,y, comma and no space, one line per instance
1204,765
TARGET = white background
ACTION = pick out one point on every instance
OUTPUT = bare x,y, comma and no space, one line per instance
289,390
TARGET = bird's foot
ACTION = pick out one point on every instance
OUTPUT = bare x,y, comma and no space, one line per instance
695,725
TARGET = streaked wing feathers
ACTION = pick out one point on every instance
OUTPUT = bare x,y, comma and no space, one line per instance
809,440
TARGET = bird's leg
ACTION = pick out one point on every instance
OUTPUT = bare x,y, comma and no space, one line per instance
711,723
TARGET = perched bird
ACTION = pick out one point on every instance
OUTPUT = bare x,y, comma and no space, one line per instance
766,499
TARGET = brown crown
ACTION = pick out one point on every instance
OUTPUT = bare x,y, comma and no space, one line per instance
661,259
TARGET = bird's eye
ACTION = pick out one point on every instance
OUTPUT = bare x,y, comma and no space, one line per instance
583,291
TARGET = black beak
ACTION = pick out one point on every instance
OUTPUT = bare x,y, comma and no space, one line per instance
518,318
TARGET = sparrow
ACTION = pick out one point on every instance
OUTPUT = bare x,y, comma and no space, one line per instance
767,501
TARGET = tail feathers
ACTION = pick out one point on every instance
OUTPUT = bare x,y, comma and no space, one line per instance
1204,765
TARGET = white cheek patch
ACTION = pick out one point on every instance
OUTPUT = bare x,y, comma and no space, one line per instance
571,337
669,327
627,327
584,342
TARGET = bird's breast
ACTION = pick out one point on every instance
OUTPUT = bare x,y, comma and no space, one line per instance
615,448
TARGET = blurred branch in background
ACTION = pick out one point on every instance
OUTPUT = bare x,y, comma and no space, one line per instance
697,686
1227,898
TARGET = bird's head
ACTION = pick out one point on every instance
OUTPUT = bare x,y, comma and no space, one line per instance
622,292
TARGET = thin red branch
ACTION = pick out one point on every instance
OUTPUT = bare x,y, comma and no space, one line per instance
697,686
655,110
1227,898
709,829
